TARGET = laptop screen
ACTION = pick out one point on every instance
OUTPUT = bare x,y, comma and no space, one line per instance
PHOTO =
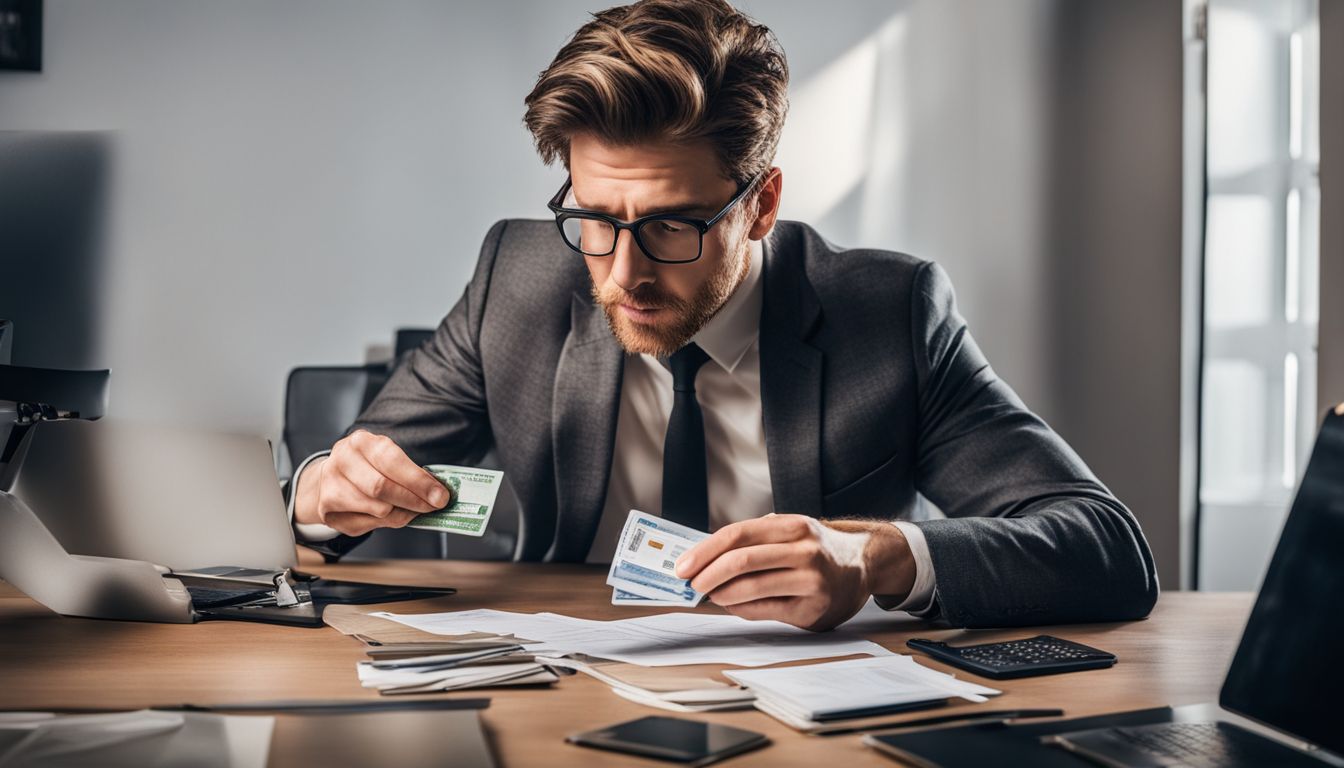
182,497
1287,672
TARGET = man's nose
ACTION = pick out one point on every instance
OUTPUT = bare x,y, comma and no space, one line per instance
630,267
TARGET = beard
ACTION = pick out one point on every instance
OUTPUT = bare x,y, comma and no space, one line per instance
680,319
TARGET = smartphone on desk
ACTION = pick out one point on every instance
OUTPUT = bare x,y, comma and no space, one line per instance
689,742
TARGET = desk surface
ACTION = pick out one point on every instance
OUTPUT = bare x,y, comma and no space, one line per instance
1177,656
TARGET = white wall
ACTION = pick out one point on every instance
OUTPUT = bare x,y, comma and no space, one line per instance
287,182
291,181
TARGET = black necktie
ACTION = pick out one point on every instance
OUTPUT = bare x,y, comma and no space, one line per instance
685,488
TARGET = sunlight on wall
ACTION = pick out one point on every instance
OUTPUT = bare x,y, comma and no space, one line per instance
846,134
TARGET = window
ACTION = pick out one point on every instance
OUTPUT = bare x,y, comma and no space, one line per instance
1261,208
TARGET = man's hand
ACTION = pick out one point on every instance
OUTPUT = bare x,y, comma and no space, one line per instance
367,482
798,570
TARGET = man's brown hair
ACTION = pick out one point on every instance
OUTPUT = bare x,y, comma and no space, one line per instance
666,70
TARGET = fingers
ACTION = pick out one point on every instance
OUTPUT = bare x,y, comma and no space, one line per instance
762,557
358,524
802,612
393,463
771,609
340,495
363,485
782,582
771,529
375,485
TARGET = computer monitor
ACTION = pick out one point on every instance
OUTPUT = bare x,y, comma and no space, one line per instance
1287,671
30,396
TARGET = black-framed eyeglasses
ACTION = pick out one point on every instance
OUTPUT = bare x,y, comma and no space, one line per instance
667,238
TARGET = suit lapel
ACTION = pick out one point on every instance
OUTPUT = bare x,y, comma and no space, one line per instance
791,380
586,401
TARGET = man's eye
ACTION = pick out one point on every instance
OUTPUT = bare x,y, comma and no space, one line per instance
671,227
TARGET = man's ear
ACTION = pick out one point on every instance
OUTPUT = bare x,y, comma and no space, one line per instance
767,204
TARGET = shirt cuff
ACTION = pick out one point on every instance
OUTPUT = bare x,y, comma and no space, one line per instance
921,594
311,533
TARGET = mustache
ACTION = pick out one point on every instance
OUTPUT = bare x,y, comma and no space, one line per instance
644,296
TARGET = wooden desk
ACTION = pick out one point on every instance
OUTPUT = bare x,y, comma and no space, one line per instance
1177,656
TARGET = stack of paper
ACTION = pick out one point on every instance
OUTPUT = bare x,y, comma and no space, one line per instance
507,665
385,639
661,640
678,691
643,566
805,696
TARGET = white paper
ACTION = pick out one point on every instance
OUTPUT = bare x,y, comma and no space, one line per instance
666,639
672,706
816,690
457,677
721,694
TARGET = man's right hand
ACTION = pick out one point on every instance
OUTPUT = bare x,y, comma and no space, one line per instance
367,482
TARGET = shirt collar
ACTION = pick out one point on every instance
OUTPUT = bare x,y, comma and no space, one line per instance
734,328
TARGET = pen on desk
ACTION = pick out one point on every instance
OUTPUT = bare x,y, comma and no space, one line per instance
991,715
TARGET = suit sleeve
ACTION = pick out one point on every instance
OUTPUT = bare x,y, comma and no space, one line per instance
433,405
1031,536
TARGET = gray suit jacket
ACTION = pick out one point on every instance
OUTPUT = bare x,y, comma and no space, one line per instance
872,392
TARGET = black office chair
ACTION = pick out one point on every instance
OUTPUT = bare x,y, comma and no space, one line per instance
320,404
8,411
6,342
409,340
322,401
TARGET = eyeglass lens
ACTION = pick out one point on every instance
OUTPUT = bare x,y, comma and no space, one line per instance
664,239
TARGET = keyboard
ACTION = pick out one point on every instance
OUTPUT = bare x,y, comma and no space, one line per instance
1189,745
212,597
1035,650
1202,743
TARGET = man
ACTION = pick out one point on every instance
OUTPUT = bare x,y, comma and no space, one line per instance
666,345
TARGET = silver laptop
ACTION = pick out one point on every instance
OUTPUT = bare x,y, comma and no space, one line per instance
104,517
178,497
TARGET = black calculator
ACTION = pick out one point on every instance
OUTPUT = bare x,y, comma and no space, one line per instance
1040,655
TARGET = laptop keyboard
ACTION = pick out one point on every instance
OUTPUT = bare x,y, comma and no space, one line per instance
1203,741
1210,744
209,597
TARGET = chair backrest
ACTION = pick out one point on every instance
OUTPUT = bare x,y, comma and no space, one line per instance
6,341
321,402
409,339
7,410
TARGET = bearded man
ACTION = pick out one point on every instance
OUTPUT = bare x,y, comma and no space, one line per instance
663,343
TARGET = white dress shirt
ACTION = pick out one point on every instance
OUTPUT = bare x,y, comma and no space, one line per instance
728,388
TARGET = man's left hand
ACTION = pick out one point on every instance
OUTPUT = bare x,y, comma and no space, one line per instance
799,570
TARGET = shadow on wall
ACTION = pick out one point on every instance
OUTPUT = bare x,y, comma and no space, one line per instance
846,140
53,198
